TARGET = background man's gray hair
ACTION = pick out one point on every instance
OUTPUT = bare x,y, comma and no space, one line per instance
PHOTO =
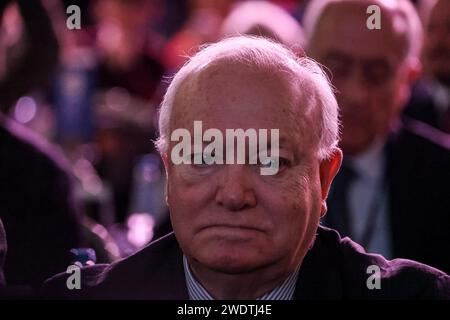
402,8
259,53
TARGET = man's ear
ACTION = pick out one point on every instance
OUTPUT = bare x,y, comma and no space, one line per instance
165,160
328,170
413,71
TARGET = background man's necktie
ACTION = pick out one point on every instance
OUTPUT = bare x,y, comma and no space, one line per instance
338,214
445,123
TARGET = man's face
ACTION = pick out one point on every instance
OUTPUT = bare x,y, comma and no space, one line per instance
436,51
230,218
367,71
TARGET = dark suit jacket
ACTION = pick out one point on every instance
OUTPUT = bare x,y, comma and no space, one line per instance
418,181
36,207
421,105
334,268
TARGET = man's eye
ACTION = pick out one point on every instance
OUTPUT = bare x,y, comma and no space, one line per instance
271,162
337,66
338,70
377,72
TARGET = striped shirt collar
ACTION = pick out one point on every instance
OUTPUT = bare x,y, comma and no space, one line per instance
284,291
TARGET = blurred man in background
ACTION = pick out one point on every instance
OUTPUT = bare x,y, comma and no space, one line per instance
391,194
264,19
430,100
37,206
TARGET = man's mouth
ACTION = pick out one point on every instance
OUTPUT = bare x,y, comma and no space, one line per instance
231,227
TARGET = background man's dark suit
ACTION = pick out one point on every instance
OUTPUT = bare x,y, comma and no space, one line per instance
334,268
36,207
422,106
418,177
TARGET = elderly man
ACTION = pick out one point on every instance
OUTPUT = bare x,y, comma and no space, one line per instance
241,232
391,195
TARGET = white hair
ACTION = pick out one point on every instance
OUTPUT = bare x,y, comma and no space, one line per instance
402,8
260,53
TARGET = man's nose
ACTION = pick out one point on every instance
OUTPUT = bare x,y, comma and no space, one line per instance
236,190
353,89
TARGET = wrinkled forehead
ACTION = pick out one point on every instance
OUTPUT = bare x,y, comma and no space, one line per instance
225,86
241,95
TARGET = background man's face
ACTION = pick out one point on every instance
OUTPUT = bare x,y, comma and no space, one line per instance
437,42
230,218
366,70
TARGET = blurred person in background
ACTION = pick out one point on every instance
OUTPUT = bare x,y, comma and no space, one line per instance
104,95
391,194
39,204
25,63
126,93
36,204
201,26
430,98
265,19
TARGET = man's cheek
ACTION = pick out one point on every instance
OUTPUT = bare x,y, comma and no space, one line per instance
186,194
176,194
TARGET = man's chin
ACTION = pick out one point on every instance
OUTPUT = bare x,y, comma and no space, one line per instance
232,268
230,263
